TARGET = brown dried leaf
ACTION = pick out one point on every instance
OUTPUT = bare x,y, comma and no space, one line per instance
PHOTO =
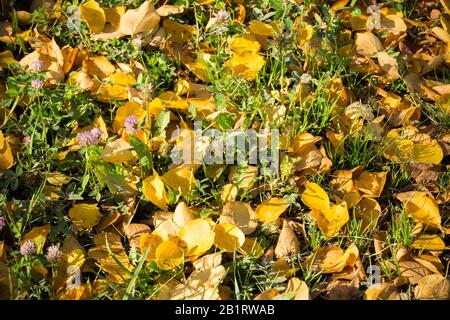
140,20
287,244
368,44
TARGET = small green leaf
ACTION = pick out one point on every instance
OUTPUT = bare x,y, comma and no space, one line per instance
205,213
278,6
226,120
144,154
356,12
113,177
162,120
174,196
221,103
192,111
85,181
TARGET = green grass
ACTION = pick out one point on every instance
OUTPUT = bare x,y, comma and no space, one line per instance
43,121
400,229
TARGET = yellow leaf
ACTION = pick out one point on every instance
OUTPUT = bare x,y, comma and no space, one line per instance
245,66
181,87
427,153
165,227
368,44
6,32
332,259
140,20
6,58
299,287
331,220
167,10
154,191
261,28
228,237
134,231
178,33
82,80
69,54
441,34
243,178
100,123
122,78
197,237
109,33
83,292
446,5
205,2
421,207
239,13
109,92
199,68
305,33
51,191
203,284
402,147
182,215
251,247
106,245
229,192
337,141
168,255
6,157
85,215
302,142
381,291
388,64
128,109
432,287
287,244
73,253
269,211
368,210
244,45
180,178
352,198
282,267
371,183
339,4
98,66
38,235
393,24
358,23
315,197
413,268
241,215
93,14
113,15
118,151
149,242
208,261
428,242
269,294
53,60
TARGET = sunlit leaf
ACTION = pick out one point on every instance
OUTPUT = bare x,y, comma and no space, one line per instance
154,190
269,210
85,215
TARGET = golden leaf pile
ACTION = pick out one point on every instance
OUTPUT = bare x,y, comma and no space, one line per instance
96,98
